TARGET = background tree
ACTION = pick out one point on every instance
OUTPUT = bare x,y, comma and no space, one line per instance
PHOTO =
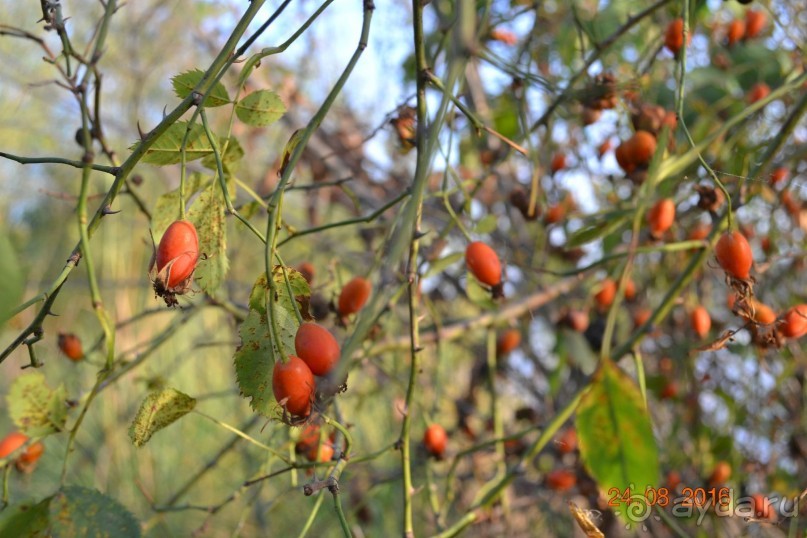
618,349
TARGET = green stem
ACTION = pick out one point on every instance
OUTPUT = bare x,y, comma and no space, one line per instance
666,247
287,283
369,218
86,252
637,359
113,170
296,153
71,439
6,475
487,495
337,504
344,431
311,517
682,67
495,411
222,178
416,205
211,463
242,435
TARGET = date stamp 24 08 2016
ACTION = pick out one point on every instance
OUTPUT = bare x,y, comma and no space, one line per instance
638,505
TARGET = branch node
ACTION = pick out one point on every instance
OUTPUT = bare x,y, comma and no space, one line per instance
333,485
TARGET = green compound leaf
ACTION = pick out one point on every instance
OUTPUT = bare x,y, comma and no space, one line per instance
159,409
185,83
230,160
34,407
254,358
77,512
260,108
166,149
207,215
616,437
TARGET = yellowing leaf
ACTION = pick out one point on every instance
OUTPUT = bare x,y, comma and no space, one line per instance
260,108
158,410
616,438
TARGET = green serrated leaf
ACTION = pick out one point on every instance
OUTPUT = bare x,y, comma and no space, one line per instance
185,83
615,435
11,278
254,358
207,214
29,519
260,108
166,149
77,512
438,266
486,224
158,410
230,160
254,363
296,283
34,407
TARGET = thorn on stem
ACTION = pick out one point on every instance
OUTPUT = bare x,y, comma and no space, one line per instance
417,234
109,211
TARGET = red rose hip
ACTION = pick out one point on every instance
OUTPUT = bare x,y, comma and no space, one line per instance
734,254
293,386
317,347
483,263
354,296
179,247
435,440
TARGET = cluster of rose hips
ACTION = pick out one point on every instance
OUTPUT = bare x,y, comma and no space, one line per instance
25,460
